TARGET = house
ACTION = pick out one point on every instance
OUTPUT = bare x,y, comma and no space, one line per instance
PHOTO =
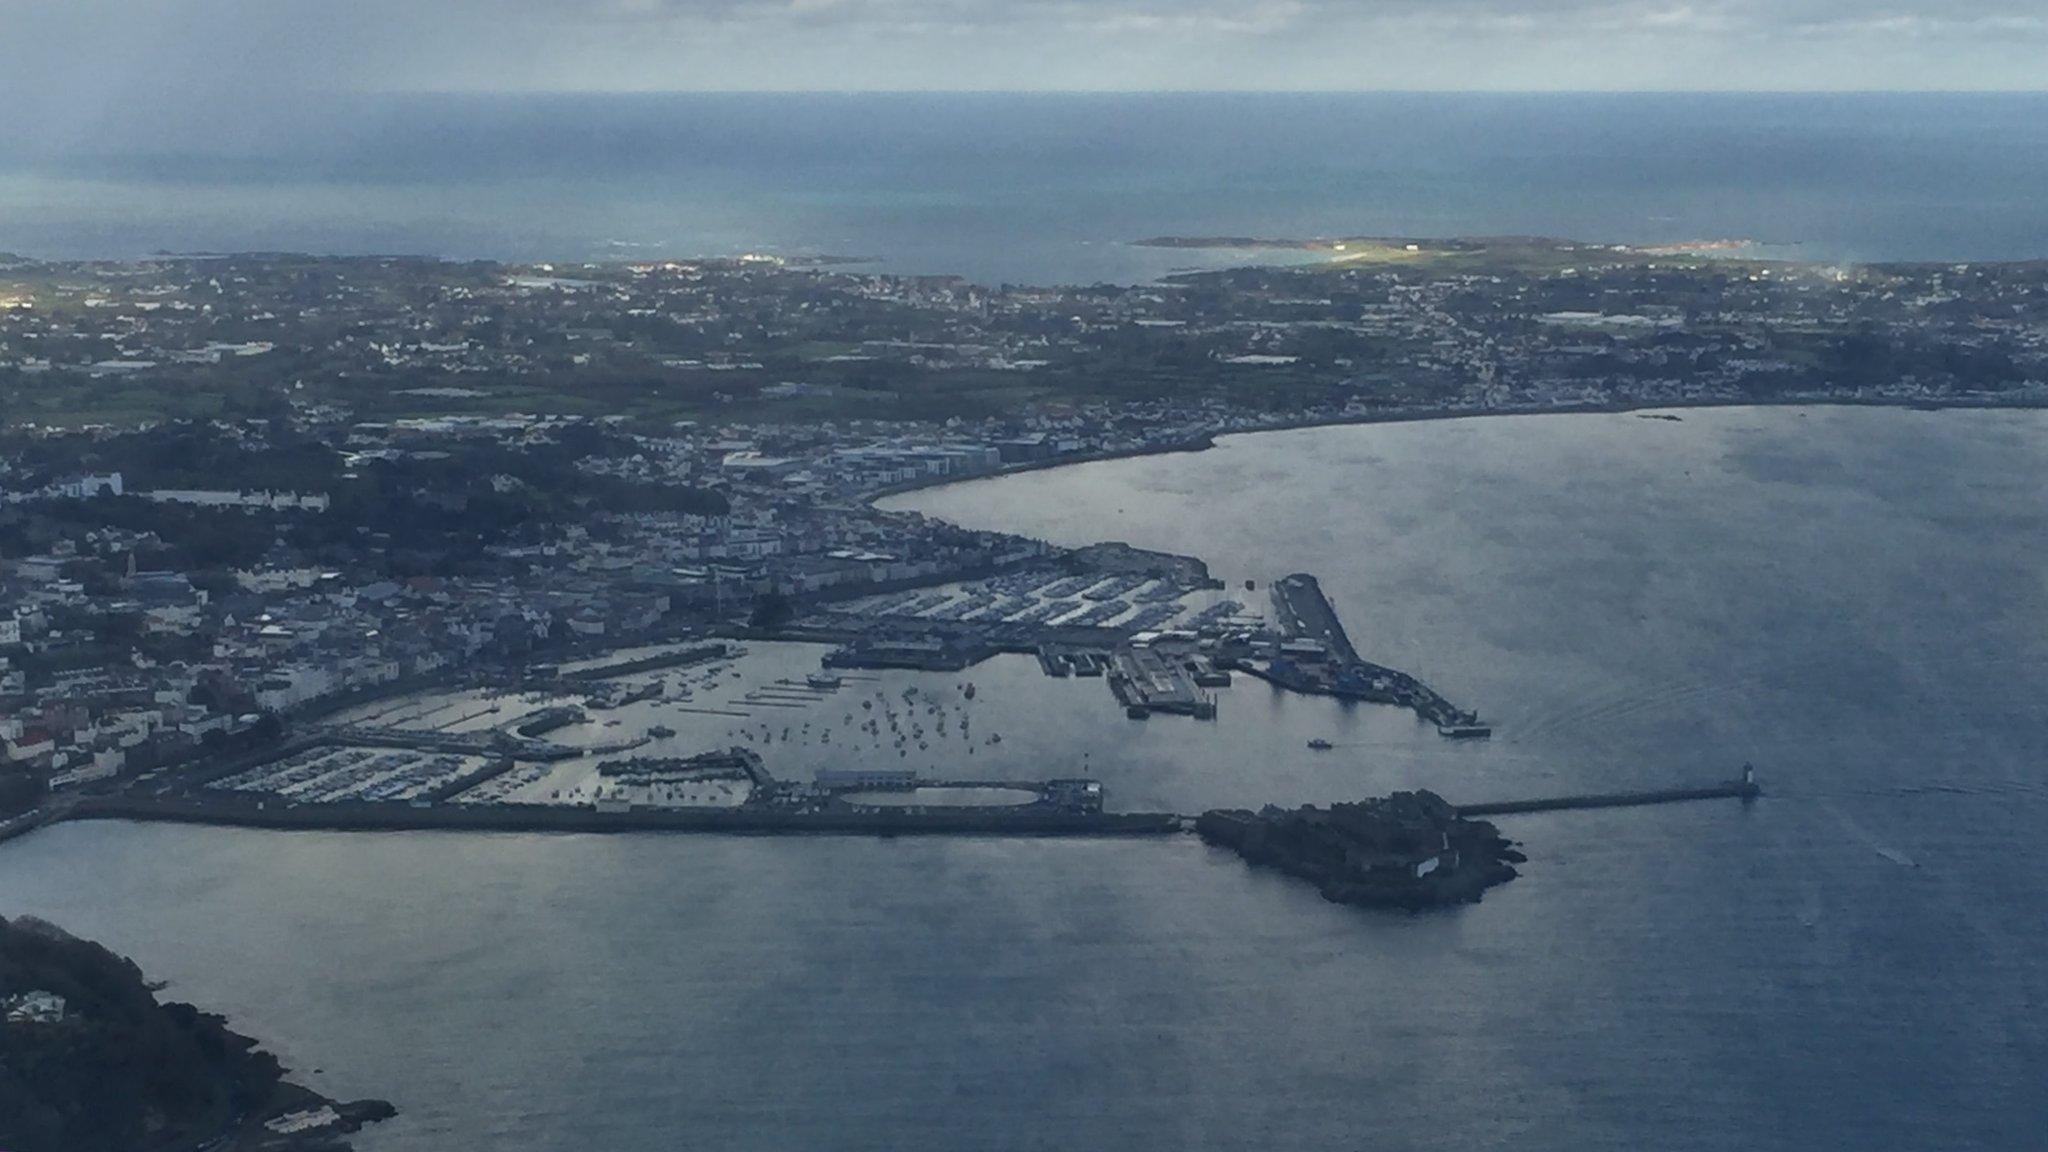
86,487
36,1007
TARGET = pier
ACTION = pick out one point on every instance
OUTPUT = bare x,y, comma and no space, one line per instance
1319,659
1305,613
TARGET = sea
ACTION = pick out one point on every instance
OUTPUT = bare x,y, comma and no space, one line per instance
1851,599
1041,189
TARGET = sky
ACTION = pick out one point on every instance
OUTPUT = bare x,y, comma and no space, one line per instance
65,59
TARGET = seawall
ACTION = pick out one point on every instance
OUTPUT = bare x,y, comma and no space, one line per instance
375,817
1731,790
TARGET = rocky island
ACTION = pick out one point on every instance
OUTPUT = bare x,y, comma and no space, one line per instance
91,1061
1410,850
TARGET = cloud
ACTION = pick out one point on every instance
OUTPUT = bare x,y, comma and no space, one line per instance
77,69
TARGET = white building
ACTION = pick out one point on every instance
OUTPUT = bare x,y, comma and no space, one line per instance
86,487
37,1007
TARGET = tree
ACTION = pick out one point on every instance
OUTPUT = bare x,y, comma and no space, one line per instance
772,610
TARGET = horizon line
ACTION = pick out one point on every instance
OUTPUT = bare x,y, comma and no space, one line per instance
945,91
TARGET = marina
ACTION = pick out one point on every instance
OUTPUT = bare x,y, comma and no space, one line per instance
780,700
330,775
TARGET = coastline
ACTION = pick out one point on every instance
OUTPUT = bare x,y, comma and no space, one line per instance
1200,443
181,1077
1208,440
388,817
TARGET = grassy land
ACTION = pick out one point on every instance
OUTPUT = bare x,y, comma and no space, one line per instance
1492,255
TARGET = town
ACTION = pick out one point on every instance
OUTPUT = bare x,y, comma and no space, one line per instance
241,496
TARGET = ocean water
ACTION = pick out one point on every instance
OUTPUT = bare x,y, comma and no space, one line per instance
1034,188
1853,599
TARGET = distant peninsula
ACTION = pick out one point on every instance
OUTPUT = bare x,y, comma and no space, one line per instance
90,1061
1527,254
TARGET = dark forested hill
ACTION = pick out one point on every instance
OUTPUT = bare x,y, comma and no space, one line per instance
90,1061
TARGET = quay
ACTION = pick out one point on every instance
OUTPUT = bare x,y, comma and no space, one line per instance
1305,613
1319,659
1743,788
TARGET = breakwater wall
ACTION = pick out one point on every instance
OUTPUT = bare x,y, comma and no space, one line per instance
374,817
1743,789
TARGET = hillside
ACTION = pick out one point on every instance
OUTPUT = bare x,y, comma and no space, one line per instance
90,1061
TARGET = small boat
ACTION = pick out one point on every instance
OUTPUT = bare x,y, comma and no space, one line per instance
823,680
1320,744
660,731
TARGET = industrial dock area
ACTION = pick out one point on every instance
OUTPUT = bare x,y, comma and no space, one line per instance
1162,637
1317,657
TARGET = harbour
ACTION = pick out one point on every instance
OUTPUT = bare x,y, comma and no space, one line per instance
1667,952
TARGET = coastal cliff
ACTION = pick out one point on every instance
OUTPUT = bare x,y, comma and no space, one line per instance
91,1061
1410,850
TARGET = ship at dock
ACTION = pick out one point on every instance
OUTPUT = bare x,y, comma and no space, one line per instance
616,696
549,719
